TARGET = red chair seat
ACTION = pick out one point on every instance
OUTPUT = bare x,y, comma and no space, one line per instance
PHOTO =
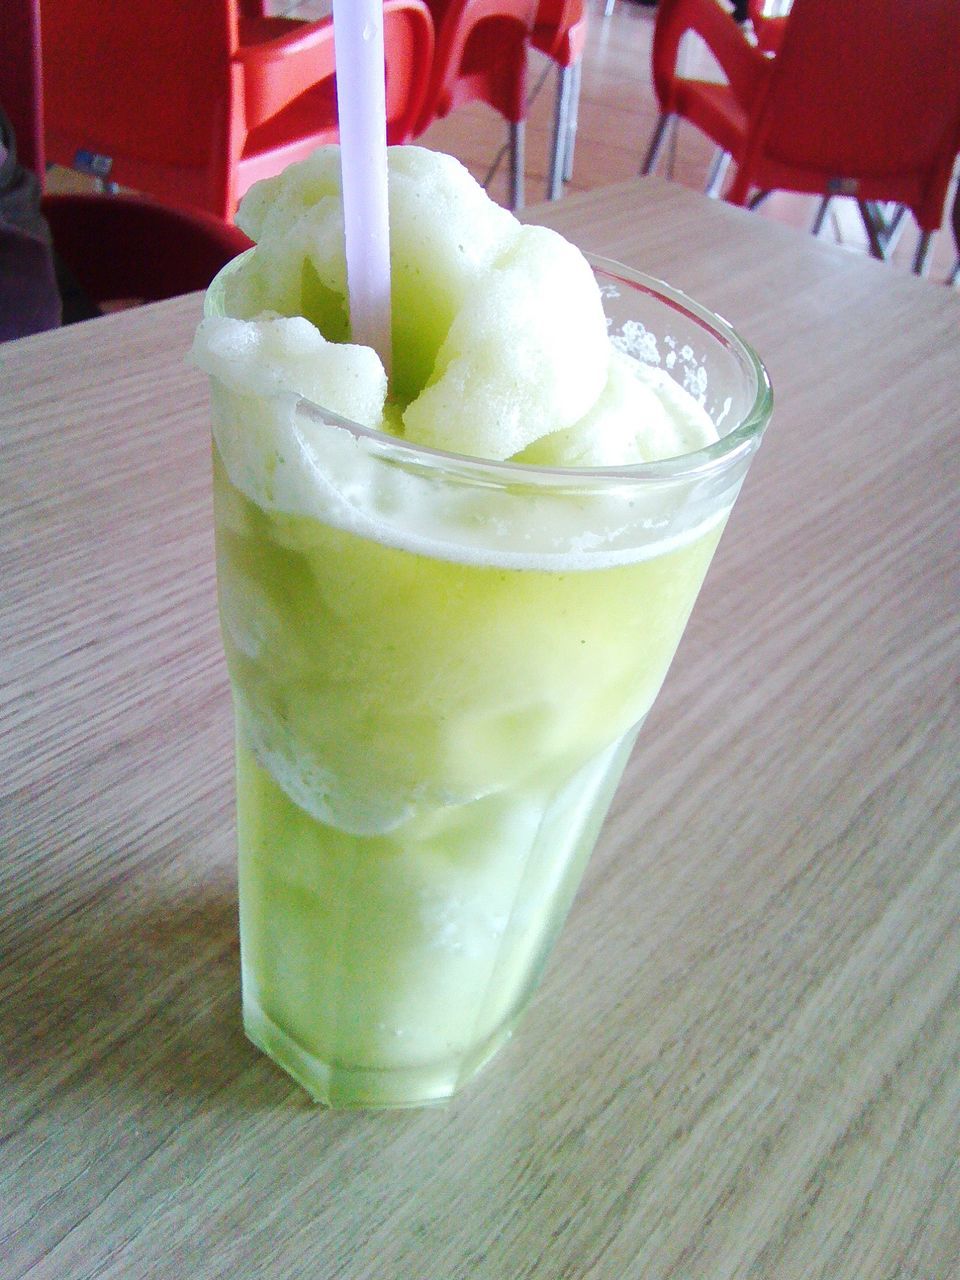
130,247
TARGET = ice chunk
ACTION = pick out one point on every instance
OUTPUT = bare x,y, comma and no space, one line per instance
500,344
444,233
527,354
640,416
273,206
277,355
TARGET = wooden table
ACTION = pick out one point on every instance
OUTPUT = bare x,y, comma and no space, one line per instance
743,1061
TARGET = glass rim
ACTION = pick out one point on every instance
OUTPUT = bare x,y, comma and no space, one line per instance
736,444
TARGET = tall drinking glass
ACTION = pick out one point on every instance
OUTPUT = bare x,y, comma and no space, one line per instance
439,666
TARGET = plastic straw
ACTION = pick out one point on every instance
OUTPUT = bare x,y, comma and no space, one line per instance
361,102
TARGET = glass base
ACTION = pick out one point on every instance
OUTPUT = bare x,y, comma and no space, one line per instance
339,1086
385,971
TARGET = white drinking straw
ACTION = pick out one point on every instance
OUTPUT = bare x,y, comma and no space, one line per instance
361,102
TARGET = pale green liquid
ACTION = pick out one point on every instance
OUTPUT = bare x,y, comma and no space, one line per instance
442,742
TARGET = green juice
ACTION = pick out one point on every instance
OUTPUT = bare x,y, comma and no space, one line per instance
426,749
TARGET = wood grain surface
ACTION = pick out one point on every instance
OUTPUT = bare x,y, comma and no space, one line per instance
744,1060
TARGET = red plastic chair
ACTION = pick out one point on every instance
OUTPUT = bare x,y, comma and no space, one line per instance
194,103
114,247
866,106
481,56
560,31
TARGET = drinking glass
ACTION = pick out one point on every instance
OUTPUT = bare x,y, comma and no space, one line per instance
439,665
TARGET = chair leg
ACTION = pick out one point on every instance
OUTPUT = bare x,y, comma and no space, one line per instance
574,120
517,164
718,171
895,224
883,231
608,8
921,259
656,143
821,217
878,248
561,125
954,276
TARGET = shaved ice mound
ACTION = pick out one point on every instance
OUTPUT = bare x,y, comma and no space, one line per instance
500,344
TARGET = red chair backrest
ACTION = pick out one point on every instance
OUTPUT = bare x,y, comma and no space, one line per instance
481,53
554,22
115,246
712,22
159,75
866,90
165,91
408,40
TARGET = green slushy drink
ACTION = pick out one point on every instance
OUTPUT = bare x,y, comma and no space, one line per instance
445,610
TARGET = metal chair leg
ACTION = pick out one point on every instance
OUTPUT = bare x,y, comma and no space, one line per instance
895,224
517,163
573,121
718,170
868,213
883,231
921,259
608,8
656,143
821,217
561,125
